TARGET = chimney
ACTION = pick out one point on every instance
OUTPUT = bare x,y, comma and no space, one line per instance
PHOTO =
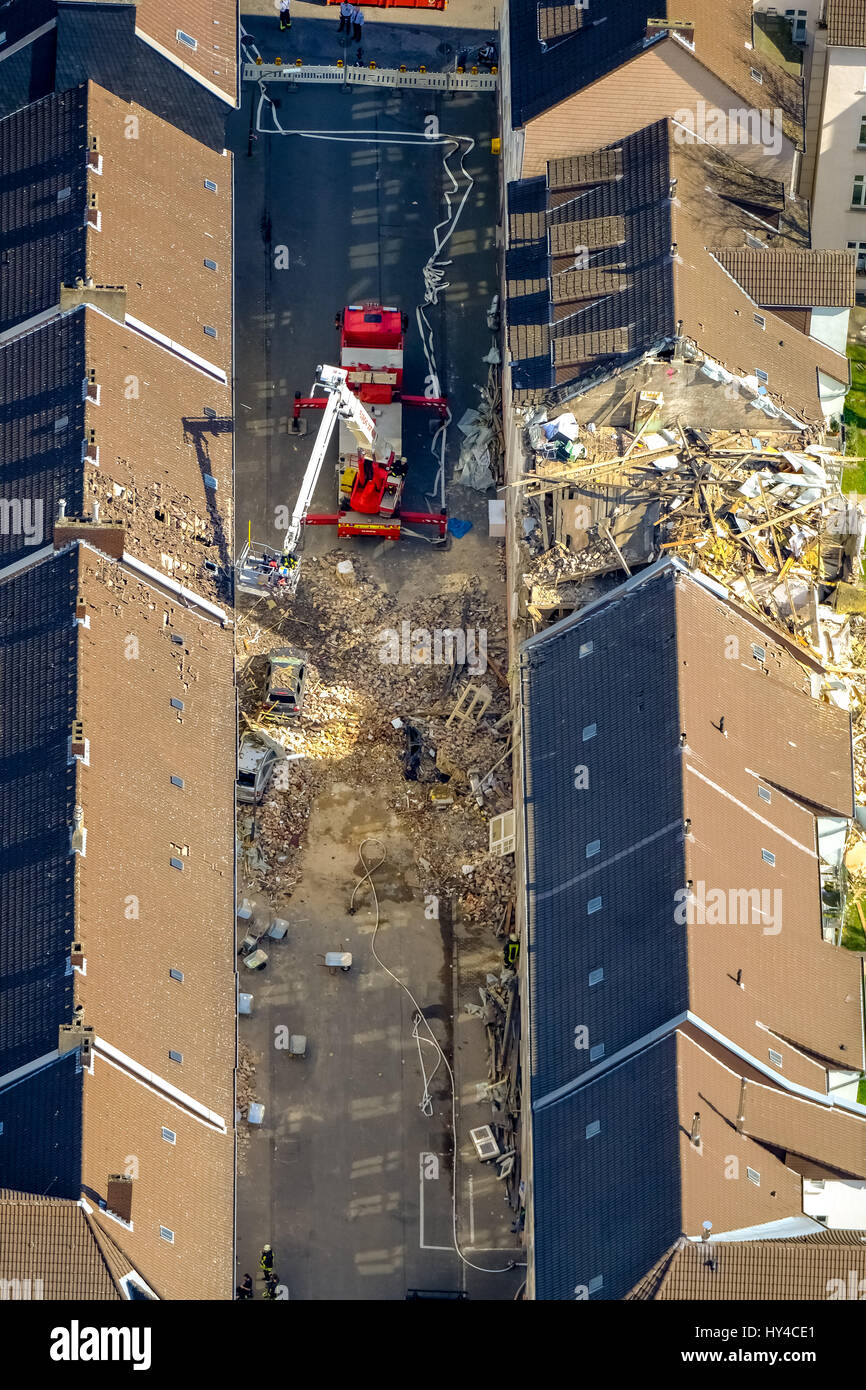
76,953
119,1199
695,1134
77,748
61,508
78,838
108,536
111,299
81,608
73,1035
95,511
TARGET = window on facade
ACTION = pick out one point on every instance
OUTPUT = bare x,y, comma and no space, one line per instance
860,248
858,192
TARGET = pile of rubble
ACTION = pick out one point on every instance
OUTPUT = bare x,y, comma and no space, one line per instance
381,689
763,513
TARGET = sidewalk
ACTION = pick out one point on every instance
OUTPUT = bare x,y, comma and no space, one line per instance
460,14
412,39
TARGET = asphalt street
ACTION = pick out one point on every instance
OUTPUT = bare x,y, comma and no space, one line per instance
349,1178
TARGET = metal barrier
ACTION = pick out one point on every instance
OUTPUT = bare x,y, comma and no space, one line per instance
373,77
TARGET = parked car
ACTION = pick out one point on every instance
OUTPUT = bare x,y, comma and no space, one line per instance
256,762
287,676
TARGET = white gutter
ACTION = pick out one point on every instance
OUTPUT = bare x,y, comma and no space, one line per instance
157,1083
28,39
13,1077
180,589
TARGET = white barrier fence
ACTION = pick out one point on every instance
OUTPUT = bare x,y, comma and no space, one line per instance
372,77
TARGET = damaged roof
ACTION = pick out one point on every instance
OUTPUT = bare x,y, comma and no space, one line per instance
67,431
608,269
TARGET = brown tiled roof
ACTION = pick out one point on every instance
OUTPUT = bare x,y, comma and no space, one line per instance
579,169
526,226
591,232
574,285
582,347
528,339
146,393
759,1270
846,23
831,1137
793,278
211,23
56,1245
730,826
556,19
159,223
712,308
163,919
518,288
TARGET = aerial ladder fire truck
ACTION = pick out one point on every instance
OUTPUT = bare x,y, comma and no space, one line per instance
364,396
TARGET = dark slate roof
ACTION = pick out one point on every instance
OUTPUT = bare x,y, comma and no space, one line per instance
99,42
42,153
18,18
626,224
627,681
605,1207
38,644
40,1148
41,376
541,78
28,75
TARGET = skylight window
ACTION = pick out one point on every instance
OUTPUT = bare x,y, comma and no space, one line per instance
593,1128
768,857
211,265
756,76
210,331
593,848
186,39
596,976
753,1176
585,650
176,863
760,320
761,375
590,732
759,653
596,1052
765,794
177,781
169,1135
210,185
176,1056
594,905
776,1058
176,975
166,1234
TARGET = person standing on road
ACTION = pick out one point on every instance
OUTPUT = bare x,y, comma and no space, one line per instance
357,24
267,1260
285,14
347,9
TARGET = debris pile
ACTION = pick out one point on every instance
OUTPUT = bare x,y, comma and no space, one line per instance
483,449
397,693
763,513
